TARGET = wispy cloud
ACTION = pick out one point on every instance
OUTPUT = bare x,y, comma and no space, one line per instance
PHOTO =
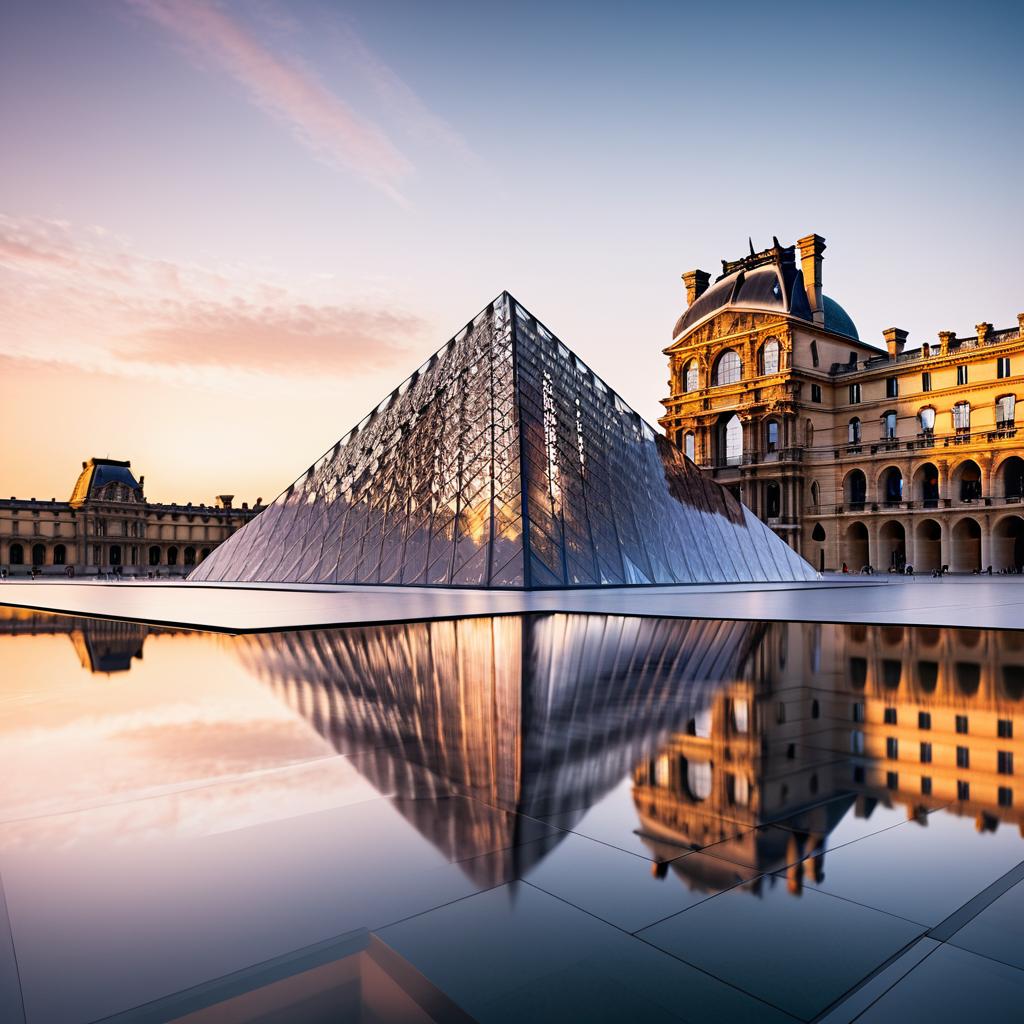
285,88
90,300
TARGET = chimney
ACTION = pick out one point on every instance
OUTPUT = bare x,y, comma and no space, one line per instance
926,349
895,341
225,500
984,330
946,338
1020,324
811,248
696,282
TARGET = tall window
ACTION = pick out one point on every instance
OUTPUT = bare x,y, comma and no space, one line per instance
854,394
853,431
690,446
889,425
771,436
926,381
961,374
728,368
814,353
1003,367
926,417
892,387
770,356
773,500
962,417
734,441
1005,410
815,392
690,376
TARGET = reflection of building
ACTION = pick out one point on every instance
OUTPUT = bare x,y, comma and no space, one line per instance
852,454
108,525
822,719
504,461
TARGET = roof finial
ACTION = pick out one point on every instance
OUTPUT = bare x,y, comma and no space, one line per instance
776,242
750,240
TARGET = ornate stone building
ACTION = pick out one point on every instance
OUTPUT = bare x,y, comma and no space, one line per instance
109,526
850,453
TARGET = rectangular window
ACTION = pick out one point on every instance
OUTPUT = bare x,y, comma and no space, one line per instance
1004,729
961,724
892,387
892,748
890,716
892,780
815,392
858,711
814,355
963,757
962,417
1003,367
961,374
1005,796
854,394
1004,762
924,720
926,753
1005,410
926,381
926,785
963,790
856,741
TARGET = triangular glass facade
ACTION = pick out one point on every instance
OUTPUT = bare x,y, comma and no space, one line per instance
504,462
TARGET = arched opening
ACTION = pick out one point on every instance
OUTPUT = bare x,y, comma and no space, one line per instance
926,481
966,546
691,376
769,356
190,556
968,677
892,486
730,440
967,481
892,539
728,368
60,555
17,555
38,554
818,533
857,546
154,555
815,494
204,553
855,488
772,500
928,553
1008,544
690,445
115,554
1013,477
172,556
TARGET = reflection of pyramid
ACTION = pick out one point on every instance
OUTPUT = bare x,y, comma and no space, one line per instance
504,462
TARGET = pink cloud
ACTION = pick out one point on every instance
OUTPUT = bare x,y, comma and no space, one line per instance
285,89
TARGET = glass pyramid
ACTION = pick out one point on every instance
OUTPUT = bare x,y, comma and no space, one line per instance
504,461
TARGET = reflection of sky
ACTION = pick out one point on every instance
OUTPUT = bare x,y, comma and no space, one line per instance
201,200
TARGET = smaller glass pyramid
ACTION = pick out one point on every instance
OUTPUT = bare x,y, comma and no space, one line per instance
504,461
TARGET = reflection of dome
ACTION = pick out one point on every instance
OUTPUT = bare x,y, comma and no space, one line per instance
775,287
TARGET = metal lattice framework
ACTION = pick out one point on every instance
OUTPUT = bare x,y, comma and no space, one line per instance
504,461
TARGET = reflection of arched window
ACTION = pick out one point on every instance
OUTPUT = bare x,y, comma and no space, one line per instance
38,554
190,556
771,436
728,369
690,445
968,677
772,500
115,554
172,556
853,431
154,555
770,356
691,378
698,779
204,553
60,555
17,554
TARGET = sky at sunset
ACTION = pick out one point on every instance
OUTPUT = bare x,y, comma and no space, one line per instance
228,229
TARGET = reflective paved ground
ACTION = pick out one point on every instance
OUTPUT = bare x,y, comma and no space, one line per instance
550,817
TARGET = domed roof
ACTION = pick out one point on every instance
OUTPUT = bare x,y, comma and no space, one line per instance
771,282
97,473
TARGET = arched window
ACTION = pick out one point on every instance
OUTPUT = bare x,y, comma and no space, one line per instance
17,555
731,441
808,433
190,556
154,555
815,493
856,489
772,500
691,376
204,553
893,486
39,554
889,425
698,779
728,369
172,556
1005,411
926,418
690,445
853,431
60,555
771,436
770,356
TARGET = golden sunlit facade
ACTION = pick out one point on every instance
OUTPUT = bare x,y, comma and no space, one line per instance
108,526
855,456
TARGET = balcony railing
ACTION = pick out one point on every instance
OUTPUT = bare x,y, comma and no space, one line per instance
912,505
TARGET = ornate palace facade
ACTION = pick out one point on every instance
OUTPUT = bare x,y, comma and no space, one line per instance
853,455
109,526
